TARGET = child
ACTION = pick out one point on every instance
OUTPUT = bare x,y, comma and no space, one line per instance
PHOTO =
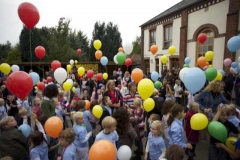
178,91
3,109
99,96
174,152
153,117
107,111
58,109
81,140
25,105
192,135
66,140
232,115
12,103
13,142
39,95
85,95
176,131
36,107
169,96
155,144
23,116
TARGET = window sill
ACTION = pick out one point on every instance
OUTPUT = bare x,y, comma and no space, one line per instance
165,48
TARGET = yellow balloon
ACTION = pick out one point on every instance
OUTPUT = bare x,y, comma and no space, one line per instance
145,88
67,86
198,121
36,88
73,89
164,59
75,61
148,104
97,44
5,68
219,77
97,111
229,143
81,71
209,55
171,50
105,76
210,66
69,67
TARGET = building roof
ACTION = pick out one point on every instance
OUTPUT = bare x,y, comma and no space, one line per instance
176,8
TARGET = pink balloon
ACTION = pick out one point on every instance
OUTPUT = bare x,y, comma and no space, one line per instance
205,68
227,62
232,70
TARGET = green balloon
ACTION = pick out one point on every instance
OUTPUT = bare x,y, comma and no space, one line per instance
186,66
211,74
158,85
121,57
218,131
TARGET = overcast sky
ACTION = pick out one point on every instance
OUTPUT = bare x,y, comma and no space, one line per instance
127,14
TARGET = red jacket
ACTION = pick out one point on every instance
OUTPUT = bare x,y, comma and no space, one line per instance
192,135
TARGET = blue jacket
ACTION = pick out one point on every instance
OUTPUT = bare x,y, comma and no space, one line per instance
177,134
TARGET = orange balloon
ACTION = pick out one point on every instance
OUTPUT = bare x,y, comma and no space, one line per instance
137,75
53,126
87,105
120,49
202,61
154,49
207,63
102,150
98,54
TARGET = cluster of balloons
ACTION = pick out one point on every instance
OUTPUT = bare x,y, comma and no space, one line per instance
234,66
164,58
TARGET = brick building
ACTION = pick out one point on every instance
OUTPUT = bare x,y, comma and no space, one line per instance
180,26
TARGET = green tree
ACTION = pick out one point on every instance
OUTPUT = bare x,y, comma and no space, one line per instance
4,49
13,55
137,45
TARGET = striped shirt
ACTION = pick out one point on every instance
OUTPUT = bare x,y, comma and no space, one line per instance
128,99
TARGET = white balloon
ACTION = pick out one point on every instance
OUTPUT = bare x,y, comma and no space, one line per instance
115,59
124,153
15,68
71,62
60,75
128,48
70,80
182,73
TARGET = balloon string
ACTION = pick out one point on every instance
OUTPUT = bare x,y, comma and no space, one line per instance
30,48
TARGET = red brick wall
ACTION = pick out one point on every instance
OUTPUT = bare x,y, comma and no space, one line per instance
183,37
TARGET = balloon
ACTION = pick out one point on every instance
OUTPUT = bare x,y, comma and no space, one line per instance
20,84
99,76
221,71
148,104
198,121
40,86
35,77
232,70
90,73
128,62
102,150
210,66
202,37
211,74
128,47
5,68
171,50
49,79
209,55
145,88
98,54
201,61
97,44
15,68
187,60
69,67
53,126
60,75
164,59
40,52
97,111
182,73
227,62
154,76
121,57
194,79
124,153
229,143
28,14
70,80
158,85
104,61
205,68
73,89
71,62
105,76
218,131
137,75
87,105
26,129
55,64
115,59
218,77
186,65
67,86
79,51
234,64
81,71
233,44
75,61
120,49
154,49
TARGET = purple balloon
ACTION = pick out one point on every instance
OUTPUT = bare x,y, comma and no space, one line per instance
227,62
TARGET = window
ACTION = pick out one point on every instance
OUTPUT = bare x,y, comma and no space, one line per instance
152,34
167,36
207,46
157,64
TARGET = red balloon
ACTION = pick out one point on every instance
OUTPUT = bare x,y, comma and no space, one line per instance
49,79
79,51
128,62
40,86
90,73
44,81
20,84
55,65
202,37
40,52
99,76
28,14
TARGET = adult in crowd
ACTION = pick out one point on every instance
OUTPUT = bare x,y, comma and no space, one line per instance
119,73
130,95
228,80
164,72
127,77
114,77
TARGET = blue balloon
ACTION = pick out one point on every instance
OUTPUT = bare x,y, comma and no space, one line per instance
187,60
26,129
233,44
154,76
104,61
194,79
234,65
35,77
221,71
